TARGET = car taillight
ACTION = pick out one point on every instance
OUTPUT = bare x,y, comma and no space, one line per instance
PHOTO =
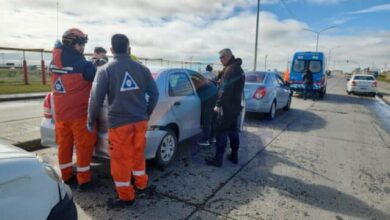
374,84
260,93
353,83
47,107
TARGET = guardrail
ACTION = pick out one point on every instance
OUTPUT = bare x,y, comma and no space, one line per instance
13,62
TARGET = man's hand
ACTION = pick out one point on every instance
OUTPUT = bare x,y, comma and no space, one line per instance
217,109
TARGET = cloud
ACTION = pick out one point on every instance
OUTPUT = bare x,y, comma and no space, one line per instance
373,9
179,30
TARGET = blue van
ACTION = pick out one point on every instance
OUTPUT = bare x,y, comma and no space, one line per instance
316,63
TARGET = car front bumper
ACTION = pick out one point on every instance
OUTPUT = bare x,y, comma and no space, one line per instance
65,209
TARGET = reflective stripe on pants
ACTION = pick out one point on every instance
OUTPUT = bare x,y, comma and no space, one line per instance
127,150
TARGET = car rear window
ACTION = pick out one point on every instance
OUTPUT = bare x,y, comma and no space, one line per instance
299,66
363,78
255,77
315,66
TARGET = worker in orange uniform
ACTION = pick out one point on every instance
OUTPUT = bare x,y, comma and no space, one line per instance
72,77
126,84
287,76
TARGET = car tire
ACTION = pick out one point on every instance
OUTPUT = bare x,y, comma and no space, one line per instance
166,151
348,92
272,111
288,105
373,95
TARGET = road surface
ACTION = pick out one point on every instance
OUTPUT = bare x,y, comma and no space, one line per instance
327,159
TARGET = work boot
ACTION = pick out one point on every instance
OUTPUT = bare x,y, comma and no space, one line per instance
72,182
204,143
118,203
87,186
212,161
233,158
146,191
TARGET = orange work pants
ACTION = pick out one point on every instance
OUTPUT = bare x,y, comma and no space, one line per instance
74,133
127,150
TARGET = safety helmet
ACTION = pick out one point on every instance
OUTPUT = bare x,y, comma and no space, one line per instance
74,36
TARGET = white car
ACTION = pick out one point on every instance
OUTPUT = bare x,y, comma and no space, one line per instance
31,188
362,84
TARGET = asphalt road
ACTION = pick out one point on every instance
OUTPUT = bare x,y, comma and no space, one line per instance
326,159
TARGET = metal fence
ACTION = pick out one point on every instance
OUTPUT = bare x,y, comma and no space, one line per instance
27,66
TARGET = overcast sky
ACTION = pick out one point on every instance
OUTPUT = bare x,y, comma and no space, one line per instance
198,29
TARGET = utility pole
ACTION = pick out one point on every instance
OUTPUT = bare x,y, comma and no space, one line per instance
257,34
265,62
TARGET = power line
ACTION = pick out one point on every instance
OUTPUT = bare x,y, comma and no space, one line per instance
288,9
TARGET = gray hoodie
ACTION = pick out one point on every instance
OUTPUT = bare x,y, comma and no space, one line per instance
126,84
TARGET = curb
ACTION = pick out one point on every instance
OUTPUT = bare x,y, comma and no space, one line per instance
16,98
30,145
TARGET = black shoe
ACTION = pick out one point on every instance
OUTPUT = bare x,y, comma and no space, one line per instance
72,182
213,140
118,203
233,158
144,192
212,161
203,143
87,186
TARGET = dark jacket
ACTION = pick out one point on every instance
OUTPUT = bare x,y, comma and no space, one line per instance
231,88
308,77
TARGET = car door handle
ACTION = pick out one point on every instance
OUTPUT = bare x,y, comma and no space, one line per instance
177,103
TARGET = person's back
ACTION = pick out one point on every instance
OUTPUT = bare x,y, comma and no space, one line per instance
128,84
72,78
308,77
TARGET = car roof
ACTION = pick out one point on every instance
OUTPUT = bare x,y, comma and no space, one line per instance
8,151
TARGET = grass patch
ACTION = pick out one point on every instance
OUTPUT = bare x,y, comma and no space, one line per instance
383,78
21,88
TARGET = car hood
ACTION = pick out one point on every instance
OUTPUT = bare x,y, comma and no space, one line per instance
8,151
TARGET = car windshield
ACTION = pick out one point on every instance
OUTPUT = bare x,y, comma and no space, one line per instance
363,78
255,77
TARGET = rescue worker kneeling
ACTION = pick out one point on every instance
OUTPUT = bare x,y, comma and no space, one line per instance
126,83
72,77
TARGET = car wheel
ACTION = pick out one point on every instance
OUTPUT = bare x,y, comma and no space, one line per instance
272,111
348,92
373,95
288,105
167,150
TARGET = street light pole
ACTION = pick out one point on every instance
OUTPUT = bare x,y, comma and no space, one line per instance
318,33
257,34
265,63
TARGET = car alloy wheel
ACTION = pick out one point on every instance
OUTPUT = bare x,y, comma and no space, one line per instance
167,149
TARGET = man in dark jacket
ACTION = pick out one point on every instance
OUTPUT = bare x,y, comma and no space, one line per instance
308,83
228,108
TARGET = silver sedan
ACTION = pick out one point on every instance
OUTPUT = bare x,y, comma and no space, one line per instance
175,118
266,92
